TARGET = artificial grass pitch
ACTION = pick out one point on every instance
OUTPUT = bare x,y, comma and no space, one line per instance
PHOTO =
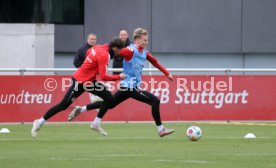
138,145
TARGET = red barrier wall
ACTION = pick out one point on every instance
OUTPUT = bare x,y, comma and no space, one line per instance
25,98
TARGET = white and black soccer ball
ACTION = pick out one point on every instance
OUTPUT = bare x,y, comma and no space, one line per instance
194,133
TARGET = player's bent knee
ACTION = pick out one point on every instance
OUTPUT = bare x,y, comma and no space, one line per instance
73,99
156,101
64,106
110,105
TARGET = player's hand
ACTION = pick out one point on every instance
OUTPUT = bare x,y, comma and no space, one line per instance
122,76
170,77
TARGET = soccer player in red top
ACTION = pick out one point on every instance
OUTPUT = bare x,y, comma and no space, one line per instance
85,77
135,56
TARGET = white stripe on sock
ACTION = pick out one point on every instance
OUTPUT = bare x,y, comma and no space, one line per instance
83,109
160,127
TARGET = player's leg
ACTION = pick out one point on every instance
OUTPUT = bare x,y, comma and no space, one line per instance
96,103
94,98
154,102
99,90
156,114
119,97
73,92
150,100
82,109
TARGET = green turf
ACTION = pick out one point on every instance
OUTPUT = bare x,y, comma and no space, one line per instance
137,145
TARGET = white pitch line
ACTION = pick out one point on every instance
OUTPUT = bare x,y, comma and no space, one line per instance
118,155
184,161
254,154
96,157
247,154
76,159
14,139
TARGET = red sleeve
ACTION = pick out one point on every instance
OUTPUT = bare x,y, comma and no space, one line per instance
127,53
155,63
102,64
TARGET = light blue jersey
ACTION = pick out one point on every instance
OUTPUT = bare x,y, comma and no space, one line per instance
133,68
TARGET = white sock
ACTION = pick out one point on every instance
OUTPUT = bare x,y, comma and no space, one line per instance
83,109
41,121
160,127
97,121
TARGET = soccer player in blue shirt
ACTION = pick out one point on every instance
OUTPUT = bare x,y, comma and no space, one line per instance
135,57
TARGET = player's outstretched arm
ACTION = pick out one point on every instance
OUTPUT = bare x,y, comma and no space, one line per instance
126,53
157,65
170,77
102,63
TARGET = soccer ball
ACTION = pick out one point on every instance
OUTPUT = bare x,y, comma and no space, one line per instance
194,133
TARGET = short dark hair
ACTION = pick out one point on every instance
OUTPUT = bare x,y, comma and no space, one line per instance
123,30
116,42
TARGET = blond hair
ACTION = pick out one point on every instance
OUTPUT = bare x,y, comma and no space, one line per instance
139,32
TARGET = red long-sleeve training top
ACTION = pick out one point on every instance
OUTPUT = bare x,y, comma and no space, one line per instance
96,62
